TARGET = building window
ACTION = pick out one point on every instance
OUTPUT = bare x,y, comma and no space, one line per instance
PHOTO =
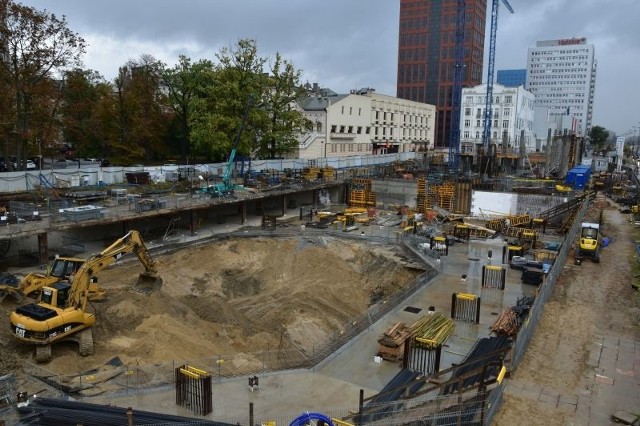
368,132
495,123
467,123
359,111
466,134
350,110
359,131
477,123
318,127
506,112
333,129
341,129
477,135
467,111
507,99
505,124
350,129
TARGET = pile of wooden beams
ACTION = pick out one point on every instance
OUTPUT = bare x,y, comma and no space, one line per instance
392,342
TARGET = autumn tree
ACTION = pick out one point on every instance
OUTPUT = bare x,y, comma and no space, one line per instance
82,93
141,108
35,47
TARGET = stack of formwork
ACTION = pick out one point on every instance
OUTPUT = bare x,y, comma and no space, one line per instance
328,173
392,342
311,173
446,193
360,193
434,195
421,202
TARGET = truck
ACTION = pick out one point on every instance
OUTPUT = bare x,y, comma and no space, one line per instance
62,314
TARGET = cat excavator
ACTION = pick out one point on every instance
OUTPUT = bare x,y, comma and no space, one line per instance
59,270
61,314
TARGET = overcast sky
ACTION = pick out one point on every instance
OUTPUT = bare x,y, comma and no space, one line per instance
347,44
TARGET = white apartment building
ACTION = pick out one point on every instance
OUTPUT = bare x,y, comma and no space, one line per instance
512,118
363,123
562,76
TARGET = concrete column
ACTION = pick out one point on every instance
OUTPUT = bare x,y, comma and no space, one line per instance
43,248
242,207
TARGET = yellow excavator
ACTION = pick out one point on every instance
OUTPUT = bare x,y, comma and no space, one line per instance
59,270
590,243
62,312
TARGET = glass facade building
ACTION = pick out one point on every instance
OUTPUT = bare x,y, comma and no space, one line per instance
426,54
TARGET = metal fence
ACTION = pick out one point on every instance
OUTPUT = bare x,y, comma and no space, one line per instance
544,292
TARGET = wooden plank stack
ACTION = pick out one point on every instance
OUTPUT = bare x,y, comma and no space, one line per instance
392,342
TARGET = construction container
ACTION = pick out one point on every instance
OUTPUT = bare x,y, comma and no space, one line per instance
578,177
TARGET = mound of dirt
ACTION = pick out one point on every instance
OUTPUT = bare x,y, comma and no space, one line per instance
235,296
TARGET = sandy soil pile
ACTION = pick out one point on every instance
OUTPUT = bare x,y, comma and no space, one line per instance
234,296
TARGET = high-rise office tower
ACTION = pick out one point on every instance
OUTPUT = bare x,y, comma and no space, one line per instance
426,54
562,76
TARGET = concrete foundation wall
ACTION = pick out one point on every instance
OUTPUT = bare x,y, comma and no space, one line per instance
395,192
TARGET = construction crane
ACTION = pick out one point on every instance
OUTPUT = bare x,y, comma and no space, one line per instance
456,95
486,131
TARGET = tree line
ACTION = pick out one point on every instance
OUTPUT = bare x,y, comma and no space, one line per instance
151,111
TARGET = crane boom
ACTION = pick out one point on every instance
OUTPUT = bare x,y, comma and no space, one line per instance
486,131
226,177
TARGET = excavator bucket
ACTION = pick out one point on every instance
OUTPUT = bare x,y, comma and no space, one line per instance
148,283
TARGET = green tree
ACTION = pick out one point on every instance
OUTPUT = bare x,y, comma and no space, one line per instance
218,111
598,136
284,121
184,82
35,45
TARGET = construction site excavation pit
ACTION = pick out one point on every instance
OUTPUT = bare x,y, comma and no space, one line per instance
240,300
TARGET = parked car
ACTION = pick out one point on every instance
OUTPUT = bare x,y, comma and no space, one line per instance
30,165
520,263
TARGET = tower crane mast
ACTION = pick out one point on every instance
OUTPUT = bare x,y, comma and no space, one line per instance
486,131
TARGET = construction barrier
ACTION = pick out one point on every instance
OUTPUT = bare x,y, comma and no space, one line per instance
422,356
440,245
193,389
465,307
494,276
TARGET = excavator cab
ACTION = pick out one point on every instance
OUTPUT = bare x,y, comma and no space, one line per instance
56,294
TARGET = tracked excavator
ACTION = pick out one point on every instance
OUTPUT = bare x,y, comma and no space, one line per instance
61,269
590,243
61,314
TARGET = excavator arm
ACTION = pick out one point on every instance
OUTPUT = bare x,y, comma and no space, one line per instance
131,243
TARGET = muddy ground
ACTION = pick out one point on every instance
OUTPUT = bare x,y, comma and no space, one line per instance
233,296
589,300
